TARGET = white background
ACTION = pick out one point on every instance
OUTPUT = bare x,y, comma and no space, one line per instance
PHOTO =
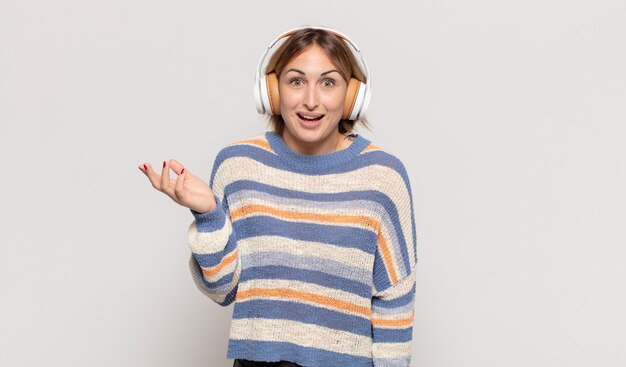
509,117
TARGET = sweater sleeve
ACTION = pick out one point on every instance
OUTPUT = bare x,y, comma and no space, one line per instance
215,263
394,275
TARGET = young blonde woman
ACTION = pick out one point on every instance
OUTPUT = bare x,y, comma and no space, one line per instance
308,227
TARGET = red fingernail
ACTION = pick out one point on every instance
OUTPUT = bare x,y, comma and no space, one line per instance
183,171
144,167
163,164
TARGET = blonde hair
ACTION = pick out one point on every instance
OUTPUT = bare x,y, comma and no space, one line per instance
337,51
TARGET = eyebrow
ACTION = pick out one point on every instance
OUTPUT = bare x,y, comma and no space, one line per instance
303,73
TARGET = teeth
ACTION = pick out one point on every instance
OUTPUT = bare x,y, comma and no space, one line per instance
310,117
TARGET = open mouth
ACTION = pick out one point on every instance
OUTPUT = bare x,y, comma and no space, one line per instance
311,118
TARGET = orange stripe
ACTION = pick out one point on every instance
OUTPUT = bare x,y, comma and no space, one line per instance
371,147
304,296
216,269
329,218
393,323
258,142
384,249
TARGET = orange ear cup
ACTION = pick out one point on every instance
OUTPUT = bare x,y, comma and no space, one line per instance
272,92
351,93
271,80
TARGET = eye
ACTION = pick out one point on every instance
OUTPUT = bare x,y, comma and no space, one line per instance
328,82
296,82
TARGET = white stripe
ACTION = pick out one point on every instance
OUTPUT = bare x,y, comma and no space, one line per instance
350,256
391,350
208,242
379,311
344,207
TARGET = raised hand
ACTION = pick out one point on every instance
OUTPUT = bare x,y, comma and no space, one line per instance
187,190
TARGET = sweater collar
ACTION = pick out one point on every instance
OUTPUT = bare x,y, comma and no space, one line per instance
308,162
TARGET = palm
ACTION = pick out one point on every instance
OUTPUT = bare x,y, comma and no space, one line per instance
195,191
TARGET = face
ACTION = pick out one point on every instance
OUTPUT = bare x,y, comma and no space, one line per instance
312,94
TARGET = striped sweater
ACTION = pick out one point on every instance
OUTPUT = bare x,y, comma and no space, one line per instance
318,253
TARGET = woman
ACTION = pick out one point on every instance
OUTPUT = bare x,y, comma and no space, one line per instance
308,228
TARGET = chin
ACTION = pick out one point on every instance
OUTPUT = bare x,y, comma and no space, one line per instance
309,135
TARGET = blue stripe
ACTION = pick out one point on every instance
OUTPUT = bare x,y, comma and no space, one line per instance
304,356
377,157
230,297
382,335
210,260
213,220
403,300
392,212
291,310
309,276
239,185
341,236
392,362
343,271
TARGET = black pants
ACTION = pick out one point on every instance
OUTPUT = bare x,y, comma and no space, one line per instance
247,363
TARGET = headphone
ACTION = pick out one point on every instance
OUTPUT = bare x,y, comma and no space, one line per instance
266,86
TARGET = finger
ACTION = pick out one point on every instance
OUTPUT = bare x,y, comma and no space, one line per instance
165,179
179,188
176,166
153,176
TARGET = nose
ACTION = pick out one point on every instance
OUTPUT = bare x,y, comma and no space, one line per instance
311,98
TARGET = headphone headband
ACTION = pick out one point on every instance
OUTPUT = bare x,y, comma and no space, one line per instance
263,95
294,30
